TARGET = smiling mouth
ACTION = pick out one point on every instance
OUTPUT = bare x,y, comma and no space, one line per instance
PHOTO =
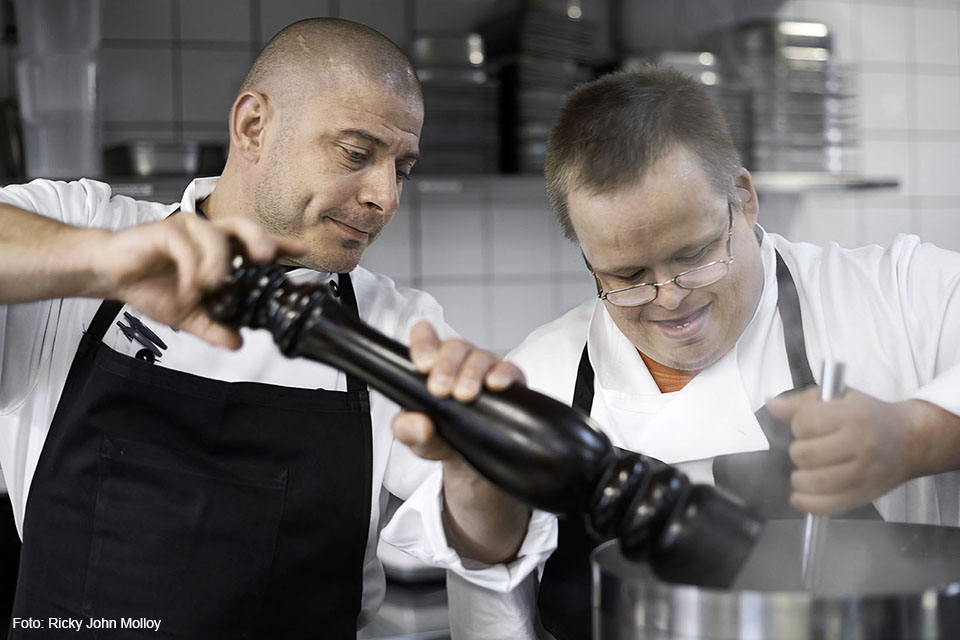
682,321
684,326
353,231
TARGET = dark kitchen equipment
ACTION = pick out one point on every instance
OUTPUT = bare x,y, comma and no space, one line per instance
879,581
542,50
537,449
802,106
144,158
11,140
731,95
460,101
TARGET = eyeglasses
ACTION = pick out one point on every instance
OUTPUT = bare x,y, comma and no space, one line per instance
695,278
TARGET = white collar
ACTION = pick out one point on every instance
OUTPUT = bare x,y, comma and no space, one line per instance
201,188
196,191
621,369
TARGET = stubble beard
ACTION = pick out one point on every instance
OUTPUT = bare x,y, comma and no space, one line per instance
282,215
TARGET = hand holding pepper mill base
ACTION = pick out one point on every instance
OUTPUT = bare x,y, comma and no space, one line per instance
540,451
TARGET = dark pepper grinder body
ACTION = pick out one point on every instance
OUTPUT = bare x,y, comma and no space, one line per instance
536,449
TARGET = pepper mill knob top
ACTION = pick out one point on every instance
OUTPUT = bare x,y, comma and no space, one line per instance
260,296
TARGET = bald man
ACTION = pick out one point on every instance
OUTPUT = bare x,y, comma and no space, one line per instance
162,482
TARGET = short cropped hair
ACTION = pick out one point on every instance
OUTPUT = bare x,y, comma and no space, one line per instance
612,129
322,47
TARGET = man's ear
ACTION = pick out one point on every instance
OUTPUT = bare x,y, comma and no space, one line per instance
746,196
248,119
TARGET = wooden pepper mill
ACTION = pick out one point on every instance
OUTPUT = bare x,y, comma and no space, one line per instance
540,451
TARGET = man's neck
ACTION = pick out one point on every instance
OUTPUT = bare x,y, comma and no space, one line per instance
228,198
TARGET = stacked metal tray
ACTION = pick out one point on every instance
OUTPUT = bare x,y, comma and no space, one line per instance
803,104
731,95
541,51
460,134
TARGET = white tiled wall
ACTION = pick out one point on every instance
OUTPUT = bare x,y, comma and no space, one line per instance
170,68
490,250
908,55
158,54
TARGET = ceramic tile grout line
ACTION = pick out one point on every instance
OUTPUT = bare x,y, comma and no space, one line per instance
815,527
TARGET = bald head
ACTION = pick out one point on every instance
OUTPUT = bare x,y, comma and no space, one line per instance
320,53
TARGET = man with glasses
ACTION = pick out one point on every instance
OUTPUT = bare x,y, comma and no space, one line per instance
637,294
702,318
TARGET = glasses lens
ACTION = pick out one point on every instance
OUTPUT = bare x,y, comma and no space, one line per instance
703,276
633,297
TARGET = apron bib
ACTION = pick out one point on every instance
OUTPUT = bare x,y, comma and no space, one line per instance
223,510
761,479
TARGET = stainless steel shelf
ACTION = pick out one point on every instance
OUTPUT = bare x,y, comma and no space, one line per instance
765,181
158,189
166,189
802,181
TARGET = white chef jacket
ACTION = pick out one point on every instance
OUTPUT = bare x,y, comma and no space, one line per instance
891,314
38,341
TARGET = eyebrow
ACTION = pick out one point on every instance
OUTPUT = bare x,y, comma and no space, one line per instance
687,248
699,244
377,142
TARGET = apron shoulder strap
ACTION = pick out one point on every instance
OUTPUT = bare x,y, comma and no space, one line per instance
583,390
108,310
348,298
788,305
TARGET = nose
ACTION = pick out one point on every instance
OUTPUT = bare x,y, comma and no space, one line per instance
670,296
380,189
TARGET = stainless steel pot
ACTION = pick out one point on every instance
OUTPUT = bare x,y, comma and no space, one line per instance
879,581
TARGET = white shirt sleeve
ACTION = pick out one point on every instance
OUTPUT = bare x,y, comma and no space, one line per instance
894,315
27,330
476,612
406,471
23,327
417,526
930,290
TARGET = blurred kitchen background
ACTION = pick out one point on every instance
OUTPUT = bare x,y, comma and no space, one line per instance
865,92
848,112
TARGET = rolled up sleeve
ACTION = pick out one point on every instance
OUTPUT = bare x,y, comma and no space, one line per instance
417,528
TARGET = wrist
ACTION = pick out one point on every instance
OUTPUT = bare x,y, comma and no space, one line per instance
932,438
92,270
911,451
462,480
480,520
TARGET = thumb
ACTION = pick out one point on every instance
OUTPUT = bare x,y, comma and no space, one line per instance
412,429
786,405
417,431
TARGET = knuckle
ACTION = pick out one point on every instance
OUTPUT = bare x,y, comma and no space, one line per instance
799,454
455,346
452,354
478,362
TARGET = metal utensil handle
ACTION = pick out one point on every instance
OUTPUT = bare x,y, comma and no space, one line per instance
832,385
815,527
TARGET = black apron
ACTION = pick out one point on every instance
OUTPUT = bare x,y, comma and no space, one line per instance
225,510
760,478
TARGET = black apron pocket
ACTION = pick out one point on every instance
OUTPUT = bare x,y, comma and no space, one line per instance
170,530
